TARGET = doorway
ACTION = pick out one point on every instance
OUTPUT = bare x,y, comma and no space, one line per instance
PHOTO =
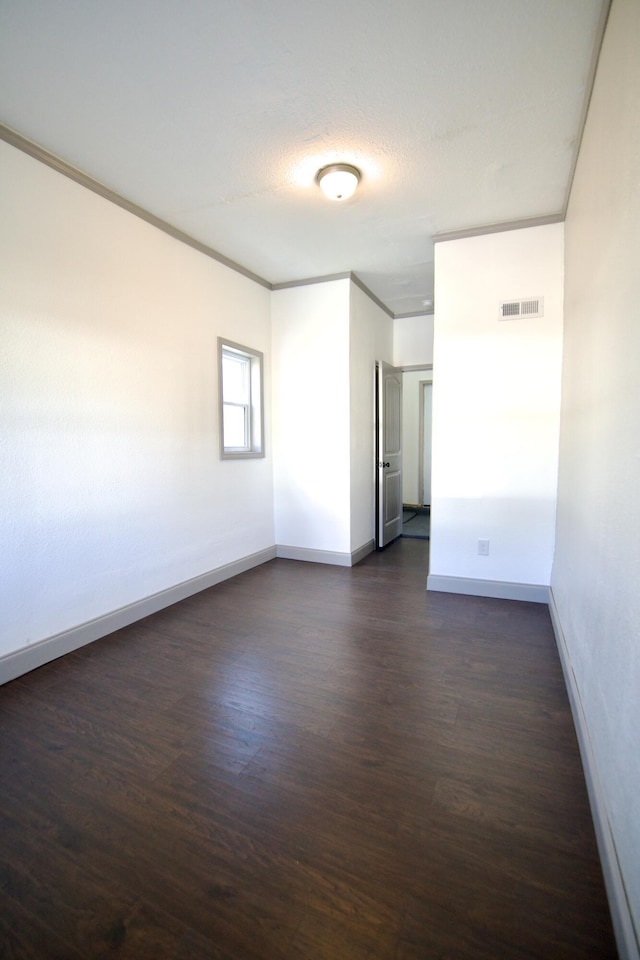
416,430
388,393
424,438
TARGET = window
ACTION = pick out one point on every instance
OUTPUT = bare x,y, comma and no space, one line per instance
241,420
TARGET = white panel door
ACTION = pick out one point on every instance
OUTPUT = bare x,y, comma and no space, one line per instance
389,453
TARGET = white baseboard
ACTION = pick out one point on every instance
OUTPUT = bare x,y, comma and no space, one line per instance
324,556
35,655
499,589
621,916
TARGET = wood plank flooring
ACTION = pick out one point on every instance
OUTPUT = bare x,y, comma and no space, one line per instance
304,762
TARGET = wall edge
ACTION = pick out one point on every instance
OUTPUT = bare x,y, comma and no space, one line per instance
362,552
621,916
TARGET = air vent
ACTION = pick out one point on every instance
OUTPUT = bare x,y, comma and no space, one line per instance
512,309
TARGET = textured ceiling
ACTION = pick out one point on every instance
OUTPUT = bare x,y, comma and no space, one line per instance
214,115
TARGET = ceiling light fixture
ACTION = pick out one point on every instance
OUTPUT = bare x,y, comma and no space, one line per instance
338,181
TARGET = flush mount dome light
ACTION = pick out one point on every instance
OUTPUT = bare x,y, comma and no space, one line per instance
338,181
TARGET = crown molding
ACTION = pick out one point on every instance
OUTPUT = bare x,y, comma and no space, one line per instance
309,281
39,153
365,289
416,313
591,79
34,150
61,166
499,227
554,217
329,278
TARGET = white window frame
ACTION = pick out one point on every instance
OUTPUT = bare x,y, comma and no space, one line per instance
253,407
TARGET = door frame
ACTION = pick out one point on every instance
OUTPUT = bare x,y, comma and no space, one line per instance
388,463
427,382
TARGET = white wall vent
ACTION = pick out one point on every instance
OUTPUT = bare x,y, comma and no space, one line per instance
531,307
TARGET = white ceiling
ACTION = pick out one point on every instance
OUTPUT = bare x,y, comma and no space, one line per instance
214,115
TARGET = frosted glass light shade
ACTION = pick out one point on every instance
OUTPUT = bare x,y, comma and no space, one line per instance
338,181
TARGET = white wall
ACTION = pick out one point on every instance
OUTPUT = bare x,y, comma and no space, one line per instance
596,573
110,479
496,407
413,341
326,339
371,339
311,404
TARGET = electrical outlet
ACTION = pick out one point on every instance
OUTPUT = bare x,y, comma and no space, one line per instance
483,548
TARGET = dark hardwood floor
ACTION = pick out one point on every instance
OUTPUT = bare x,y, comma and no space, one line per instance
304,762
